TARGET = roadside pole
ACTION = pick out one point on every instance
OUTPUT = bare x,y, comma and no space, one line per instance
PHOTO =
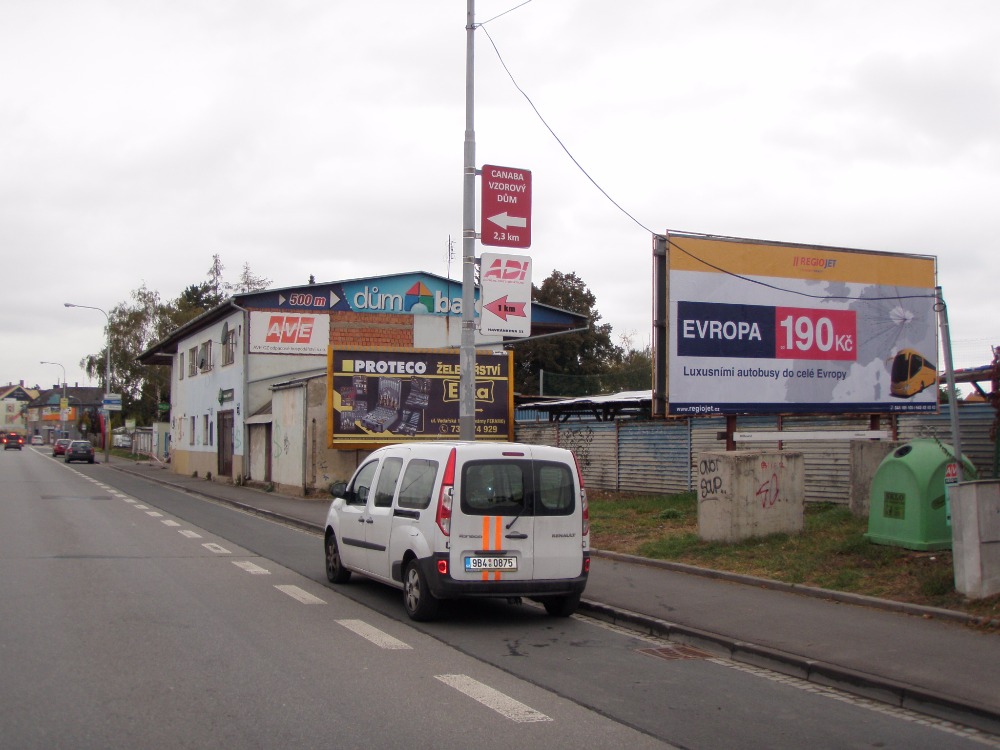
467,358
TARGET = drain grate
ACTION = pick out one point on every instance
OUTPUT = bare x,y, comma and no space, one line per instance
677,651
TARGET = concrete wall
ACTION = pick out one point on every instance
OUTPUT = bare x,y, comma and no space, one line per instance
975,518
866,456
744,494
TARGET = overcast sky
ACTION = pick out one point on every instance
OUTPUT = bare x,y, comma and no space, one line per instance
140,137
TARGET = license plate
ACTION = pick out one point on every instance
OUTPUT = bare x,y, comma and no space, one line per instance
482,562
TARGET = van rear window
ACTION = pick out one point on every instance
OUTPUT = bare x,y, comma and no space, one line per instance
509,488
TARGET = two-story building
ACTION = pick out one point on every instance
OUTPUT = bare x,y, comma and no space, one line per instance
249,391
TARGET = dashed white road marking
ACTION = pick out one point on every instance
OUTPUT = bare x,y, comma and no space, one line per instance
492,698
141,507
154,514
129,500
216,548
252,568
189,534
378,637
169,522
300,595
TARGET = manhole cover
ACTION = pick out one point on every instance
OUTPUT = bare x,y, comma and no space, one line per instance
676,652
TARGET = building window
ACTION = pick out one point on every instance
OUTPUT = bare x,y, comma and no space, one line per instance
191,438
192,361
205,357
180,369
206,439
229,348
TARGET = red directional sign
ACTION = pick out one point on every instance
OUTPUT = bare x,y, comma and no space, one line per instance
506,207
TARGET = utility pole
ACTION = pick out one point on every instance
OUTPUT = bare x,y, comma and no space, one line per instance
467,358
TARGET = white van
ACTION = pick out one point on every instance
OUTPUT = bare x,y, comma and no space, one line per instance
441,520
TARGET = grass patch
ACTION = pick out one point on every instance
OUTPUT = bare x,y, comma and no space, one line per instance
831,552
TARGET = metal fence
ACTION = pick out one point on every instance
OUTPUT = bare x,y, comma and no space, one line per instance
660,456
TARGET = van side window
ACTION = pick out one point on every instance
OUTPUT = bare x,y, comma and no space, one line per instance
360,487
387,482
554,487
493,488
418,484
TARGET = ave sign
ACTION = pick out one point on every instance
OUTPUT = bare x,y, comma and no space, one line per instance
505,207
505,291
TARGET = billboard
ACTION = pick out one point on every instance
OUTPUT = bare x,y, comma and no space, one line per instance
380,396
289,333
767,328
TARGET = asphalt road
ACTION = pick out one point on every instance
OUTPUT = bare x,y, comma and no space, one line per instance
137,615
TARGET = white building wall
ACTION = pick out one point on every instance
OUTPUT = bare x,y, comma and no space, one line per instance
194,442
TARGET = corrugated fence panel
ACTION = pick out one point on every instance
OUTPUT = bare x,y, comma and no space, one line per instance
654,456
974,421
537,433
661,456
596,447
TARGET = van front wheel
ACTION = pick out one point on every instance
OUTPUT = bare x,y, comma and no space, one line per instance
561,606
418,600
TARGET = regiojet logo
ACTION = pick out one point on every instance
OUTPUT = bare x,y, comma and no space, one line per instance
290,329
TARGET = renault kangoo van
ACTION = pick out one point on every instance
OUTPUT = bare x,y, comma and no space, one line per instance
442,520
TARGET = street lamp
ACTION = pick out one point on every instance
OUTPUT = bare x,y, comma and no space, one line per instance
107,380
62,406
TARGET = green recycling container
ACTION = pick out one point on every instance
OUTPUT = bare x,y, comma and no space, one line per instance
908,501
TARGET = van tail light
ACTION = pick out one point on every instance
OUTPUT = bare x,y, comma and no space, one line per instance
584,505
447,496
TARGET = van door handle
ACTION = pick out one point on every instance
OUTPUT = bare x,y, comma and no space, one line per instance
360,519
517,535
369,520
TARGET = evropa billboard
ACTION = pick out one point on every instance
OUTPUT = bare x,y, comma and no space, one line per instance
380,396
760,327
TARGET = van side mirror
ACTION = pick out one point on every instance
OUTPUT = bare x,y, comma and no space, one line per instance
338,489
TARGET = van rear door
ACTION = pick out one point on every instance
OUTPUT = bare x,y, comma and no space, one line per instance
492,528
558,521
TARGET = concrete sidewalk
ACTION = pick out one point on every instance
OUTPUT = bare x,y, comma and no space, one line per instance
929,660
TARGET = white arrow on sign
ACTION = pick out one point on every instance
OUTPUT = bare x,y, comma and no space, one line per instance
504,220
334,299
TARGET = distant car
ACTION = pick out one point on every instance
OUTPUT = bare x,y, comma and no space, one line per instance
80,450
37,440
12,440
59,446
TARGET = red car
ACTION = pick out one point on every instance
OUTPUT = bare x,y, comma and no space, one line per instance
59,446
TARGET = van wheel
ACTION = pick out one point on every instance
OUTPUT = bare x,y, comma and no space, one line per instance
561,606
418,600
335,570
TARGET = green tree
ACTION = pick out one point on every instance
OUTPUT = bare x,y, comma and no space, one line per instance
138,323
579,358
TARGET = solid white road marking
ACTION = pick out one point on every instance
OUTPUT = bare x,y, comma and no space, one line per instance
216,548
190,534
492,698
252,568
300,595
373,634
169,522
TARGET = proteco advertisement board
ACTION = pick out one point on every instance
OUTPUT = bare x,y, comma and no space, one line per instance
380,396
757,327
